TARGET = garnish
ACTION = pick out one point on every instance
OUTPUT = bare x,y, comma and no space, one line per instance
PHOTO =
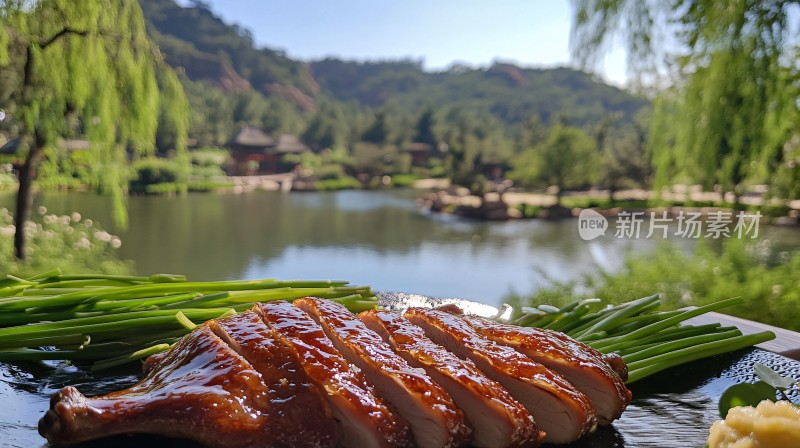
110,320
648,340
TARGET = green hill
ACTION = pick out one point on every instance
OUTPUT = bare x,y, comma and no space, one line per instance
510,93
214,53
210,50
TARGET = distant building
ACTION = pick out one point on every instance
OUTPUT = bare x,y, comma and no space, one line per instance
255,152
420,153
290,144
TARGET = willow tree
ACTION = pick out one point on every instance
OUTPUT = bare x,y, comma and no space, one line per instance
729,111
84,67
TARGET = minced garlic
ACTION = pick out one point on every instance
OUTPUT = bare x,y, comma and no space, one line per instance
769,425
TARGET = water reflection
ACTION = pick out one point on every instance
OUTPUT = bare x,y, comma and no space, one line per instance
376,238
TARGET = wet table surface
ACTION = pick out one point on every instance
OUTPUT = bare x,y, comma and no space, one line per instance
674,408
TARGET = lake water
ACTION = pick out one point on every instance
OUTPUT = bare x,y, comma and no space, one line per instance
378,238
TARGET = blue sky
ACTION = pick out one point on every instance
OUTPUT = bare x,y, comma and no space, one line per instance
533,33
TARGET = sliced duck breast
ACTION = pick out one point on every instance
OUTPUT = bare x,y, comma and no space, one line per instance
496,418
365,419
560,410
299,409
434,418
583,366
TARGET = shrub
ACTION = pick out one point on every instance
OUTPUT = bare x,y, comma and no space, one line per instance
403,180
7,181
166,188
344,183
209,157
68,242
154,171
529,211
771,292
59,181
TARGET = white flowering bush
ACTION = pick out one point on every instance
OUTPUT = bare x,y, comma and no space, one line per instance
68,242
7,181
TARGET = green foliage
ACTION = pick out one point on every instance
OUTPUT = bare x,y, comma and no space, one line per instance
62,169
480,113
509,93
173,117
565,160
623,156
728,117
371,161
216,115
377,133
85,68
786,178
529,211
156,176
167,188
7,181
325,165
339,183
771,293
207,173
327,128
403,180
71,243
425,128
211,121
605,203
208,185
731,125
195,38
230,82
209,157
476,144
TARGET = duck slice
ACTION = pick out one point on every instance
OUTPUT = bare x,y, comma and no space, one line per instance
497,420
365,419
561,411
304,417
583,366
434,418
201,390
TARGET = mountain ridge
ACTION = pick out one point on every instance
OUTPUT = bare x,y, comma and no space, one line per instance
197,41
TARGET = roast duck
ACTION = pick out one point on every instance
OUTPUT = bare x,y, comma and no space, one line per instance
312,374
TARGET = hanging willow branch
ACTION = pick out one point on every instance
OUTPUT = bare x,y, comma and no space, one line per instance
106,78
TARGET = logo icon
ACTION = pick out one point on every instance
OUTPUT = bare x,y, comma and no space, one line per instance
591,224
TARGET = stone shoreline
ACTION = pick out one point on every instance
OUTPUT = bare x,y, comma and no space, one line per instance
458,201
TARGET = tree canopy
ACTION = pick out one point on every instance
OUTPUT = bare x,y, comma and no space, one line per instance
86,68
732,106
565,160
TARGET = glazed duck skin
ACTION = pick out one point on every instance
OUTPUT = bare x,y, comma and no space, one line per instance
365,419
435,420
583,366
561,411
280,375
302,416
496,418
201,390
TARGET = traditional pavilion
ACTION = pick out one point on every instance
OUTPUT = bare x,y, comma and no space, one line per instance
256,153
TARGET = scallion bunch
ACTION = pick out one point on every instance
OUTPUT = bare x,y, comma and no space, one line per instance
108,320
647,339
